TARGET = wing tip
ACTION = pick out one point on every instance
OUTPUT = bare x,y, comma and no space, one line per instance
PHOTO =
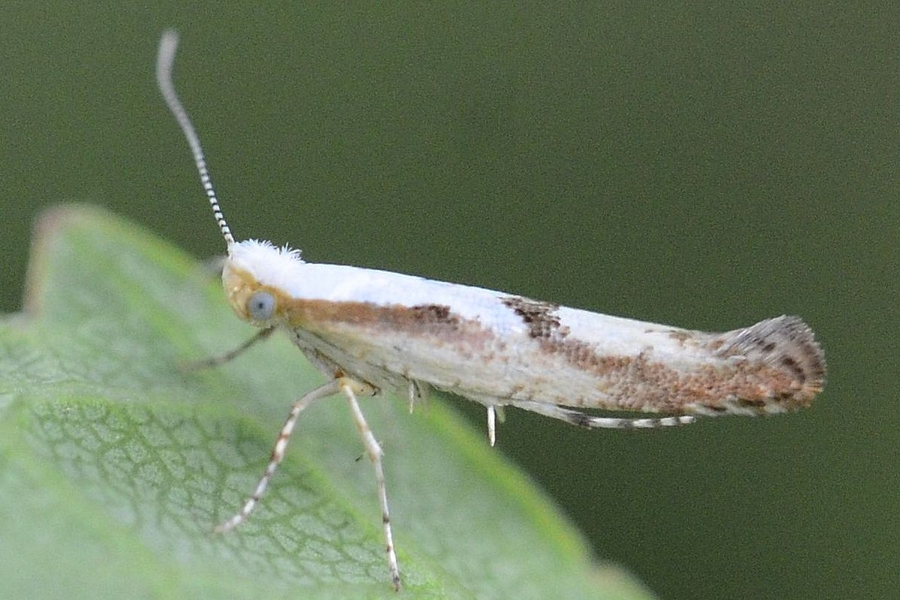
788,344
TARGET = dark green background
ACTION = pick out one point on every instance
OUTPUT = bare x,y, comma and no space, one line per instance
690,163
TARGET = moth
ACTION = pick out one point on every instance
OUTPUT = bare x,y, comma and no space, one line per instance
370,331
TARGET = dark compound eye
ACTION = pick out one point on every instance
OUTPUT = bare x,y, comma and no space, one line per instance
260,306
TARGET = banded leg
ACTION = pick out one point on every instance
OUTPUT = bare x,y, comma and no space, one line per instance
373,449
587,421
329,389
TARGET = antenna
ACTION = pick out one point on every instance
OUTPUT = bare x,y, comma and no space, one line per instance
164,61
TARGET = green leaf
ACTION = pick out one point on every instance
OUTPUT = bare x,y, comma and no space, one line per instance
115,465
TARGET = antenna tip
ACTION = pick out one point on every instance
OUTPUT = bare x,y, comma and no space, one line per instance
169,38
165,57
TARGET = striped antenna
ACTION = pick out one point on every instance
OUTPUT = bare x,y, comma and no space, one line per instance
164,61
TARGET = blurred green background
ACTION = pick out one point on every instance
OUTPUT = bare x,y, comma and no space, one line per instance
699,164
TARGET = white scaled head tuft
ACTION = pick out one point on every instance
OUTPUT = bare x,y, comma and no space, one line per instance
267,263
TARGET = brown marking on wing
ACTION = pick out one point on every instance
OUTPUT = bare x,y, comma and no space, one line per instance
423,319
786,344
775,364
681,335
437,322
790,380
427,314
540,317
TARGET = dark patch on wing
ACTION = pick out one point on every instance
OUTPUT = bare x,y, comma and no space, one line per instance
433,313
771,366
795,368
680,335
540,317
785,343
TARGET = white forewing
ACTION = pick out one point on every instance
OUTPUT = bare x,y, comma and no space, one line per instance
282,269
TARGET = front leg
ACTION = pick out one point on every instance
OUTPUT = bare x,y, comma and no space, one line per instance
215,361
329,389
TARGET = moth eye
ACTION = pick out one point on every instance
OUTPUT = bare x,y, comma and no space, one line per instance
260,306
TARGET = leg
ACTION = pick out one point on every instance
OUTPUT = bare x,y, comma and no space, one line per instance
587,421
495,412
373,449
492,425
416,391
215,361
329,389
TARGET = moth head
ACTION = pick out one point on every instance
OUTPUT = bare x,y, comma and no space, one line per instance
255,276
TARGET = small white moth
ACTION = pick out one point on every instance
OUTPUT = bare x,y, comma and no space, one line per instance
370,330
